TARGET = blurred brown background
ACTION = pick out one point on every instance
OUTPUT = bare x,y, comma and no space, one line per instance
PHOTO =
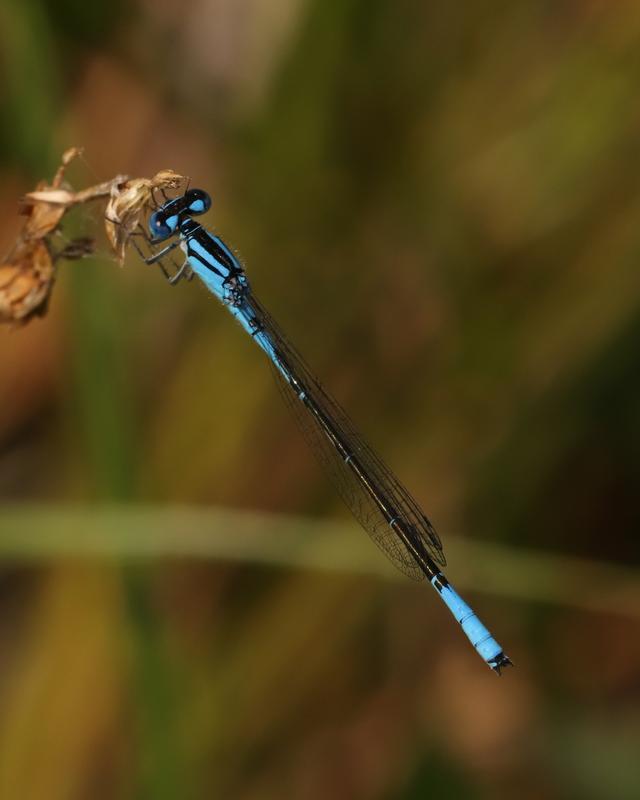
441,205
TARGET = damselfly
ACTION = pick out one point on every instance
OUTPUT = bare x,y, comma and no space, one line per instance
382,505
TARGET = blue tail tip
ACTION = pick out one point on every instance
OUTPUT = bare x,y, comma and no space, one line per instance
500,662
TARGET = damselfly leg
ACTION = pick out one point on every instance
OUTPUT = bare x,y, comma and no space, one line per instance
153,258
181,272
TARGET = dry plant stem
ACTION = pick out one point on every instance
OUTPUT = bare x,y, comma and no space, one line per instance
27,278
129,199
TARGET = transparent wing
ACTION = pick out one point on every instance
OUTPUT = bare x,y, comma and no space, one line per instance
353,492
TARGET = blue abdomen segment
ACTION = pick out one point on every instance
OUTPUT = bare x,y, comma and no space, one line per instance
479,636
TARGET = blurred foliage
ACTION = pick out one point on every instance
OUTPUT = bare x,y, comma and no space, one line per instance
440,203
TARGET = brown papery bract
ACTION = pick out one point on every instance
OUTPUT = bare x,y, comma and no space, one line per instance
128,202
26,282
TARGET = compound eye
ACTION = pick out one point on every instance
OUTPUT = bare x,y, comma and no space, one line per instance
158,227
197,201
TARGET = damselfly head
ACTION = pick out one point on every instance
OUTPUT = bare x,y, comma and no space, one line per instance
164,222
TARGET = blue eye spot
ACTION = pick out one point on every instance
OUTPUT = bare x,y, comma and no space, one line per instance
158,227
197,201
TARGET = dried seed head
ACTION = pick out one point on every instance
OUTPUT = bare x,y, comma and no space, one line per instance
129,201
26,281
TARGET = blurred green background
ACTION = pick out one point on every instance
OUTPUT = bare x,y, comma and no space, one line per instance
441,205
